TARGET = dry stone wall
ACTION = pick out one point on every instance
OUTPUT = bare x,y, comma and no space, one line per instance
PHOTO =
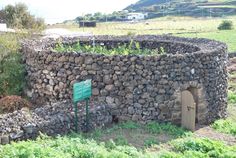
134,87
54,119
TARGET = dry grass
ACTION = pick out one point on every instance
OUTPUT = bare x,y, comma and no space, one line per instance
12,103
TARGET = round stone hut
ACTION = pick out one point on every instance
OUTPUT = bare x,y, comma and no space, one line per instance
187,85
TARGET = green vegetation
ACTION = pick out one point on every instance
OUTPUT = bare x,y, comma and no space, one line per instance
151,127
196,8
231,97
228,125
19,17
126,49
160,8
225,126
172,25
200,147
156,128
100,17
65,147
12,72
151,141
226,25
226,36
12,75
78,146
128,132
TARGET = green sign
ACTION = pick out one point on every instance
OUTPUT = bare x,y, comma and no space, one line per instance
82,90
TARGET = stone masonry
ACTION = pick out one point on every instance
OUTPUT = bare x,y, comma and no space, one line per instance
134,87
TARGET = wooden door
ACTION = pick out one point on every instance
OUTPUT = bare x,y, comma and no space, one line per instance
188,110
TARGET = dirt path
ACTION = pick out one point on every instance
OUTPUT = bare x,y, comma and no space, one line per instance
208,132
232,65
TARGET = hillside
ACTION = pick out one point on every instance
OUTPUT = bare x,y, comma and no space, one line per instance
197,8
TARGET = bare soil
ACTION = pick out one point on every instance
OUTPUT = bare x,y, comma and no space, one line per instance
136,137
232,65
208,132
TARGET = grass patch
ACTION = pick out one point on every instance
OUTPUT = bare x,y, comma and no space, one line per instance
84,146
226,36
231,97
232,112
156,128
150,142
138,135
228,126
202,147
65,147
180,26
12,70
129,125
76,146
10,42
225,126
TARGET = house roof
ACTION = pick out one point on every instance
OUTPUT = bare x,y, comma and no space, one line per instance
135,14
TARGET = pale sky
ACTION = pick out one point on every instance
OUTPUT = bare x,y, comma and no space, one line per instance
59,10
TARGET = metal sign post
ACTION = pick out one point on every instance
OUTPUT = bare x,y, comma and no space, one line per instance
82,91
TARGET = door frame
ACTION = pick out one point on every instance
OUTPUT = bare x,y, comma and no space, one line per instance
190,118
199,96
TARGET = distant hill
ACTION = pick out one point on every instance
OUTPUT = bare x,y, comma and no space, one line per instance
157,8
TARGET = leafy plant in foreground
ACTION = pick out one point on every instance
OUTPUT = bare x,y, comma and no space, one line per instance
226,126
76,146
204,147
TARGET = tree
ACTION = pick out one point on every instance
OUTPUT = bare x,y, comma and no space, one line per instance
226,25
2,15
19,17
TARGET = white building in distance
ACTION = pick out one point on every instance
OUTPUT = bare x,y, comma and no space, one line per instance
137,16
3,27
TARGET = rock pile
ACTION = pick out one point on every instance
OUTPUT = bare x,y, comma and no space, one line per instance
54,119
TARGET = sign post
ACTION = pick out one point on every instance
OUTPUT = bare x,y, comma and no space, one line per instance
82,91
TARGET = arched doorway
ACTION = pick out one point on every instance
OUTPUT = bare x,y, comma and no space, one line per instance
191,92
189,106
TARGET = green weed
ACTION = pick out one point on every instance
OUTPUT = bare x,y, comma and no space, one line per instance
203,147
65,147
120,140
78,147
226,126
129,125
12,71
150,141
157,128
133,48
12,75
231,97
